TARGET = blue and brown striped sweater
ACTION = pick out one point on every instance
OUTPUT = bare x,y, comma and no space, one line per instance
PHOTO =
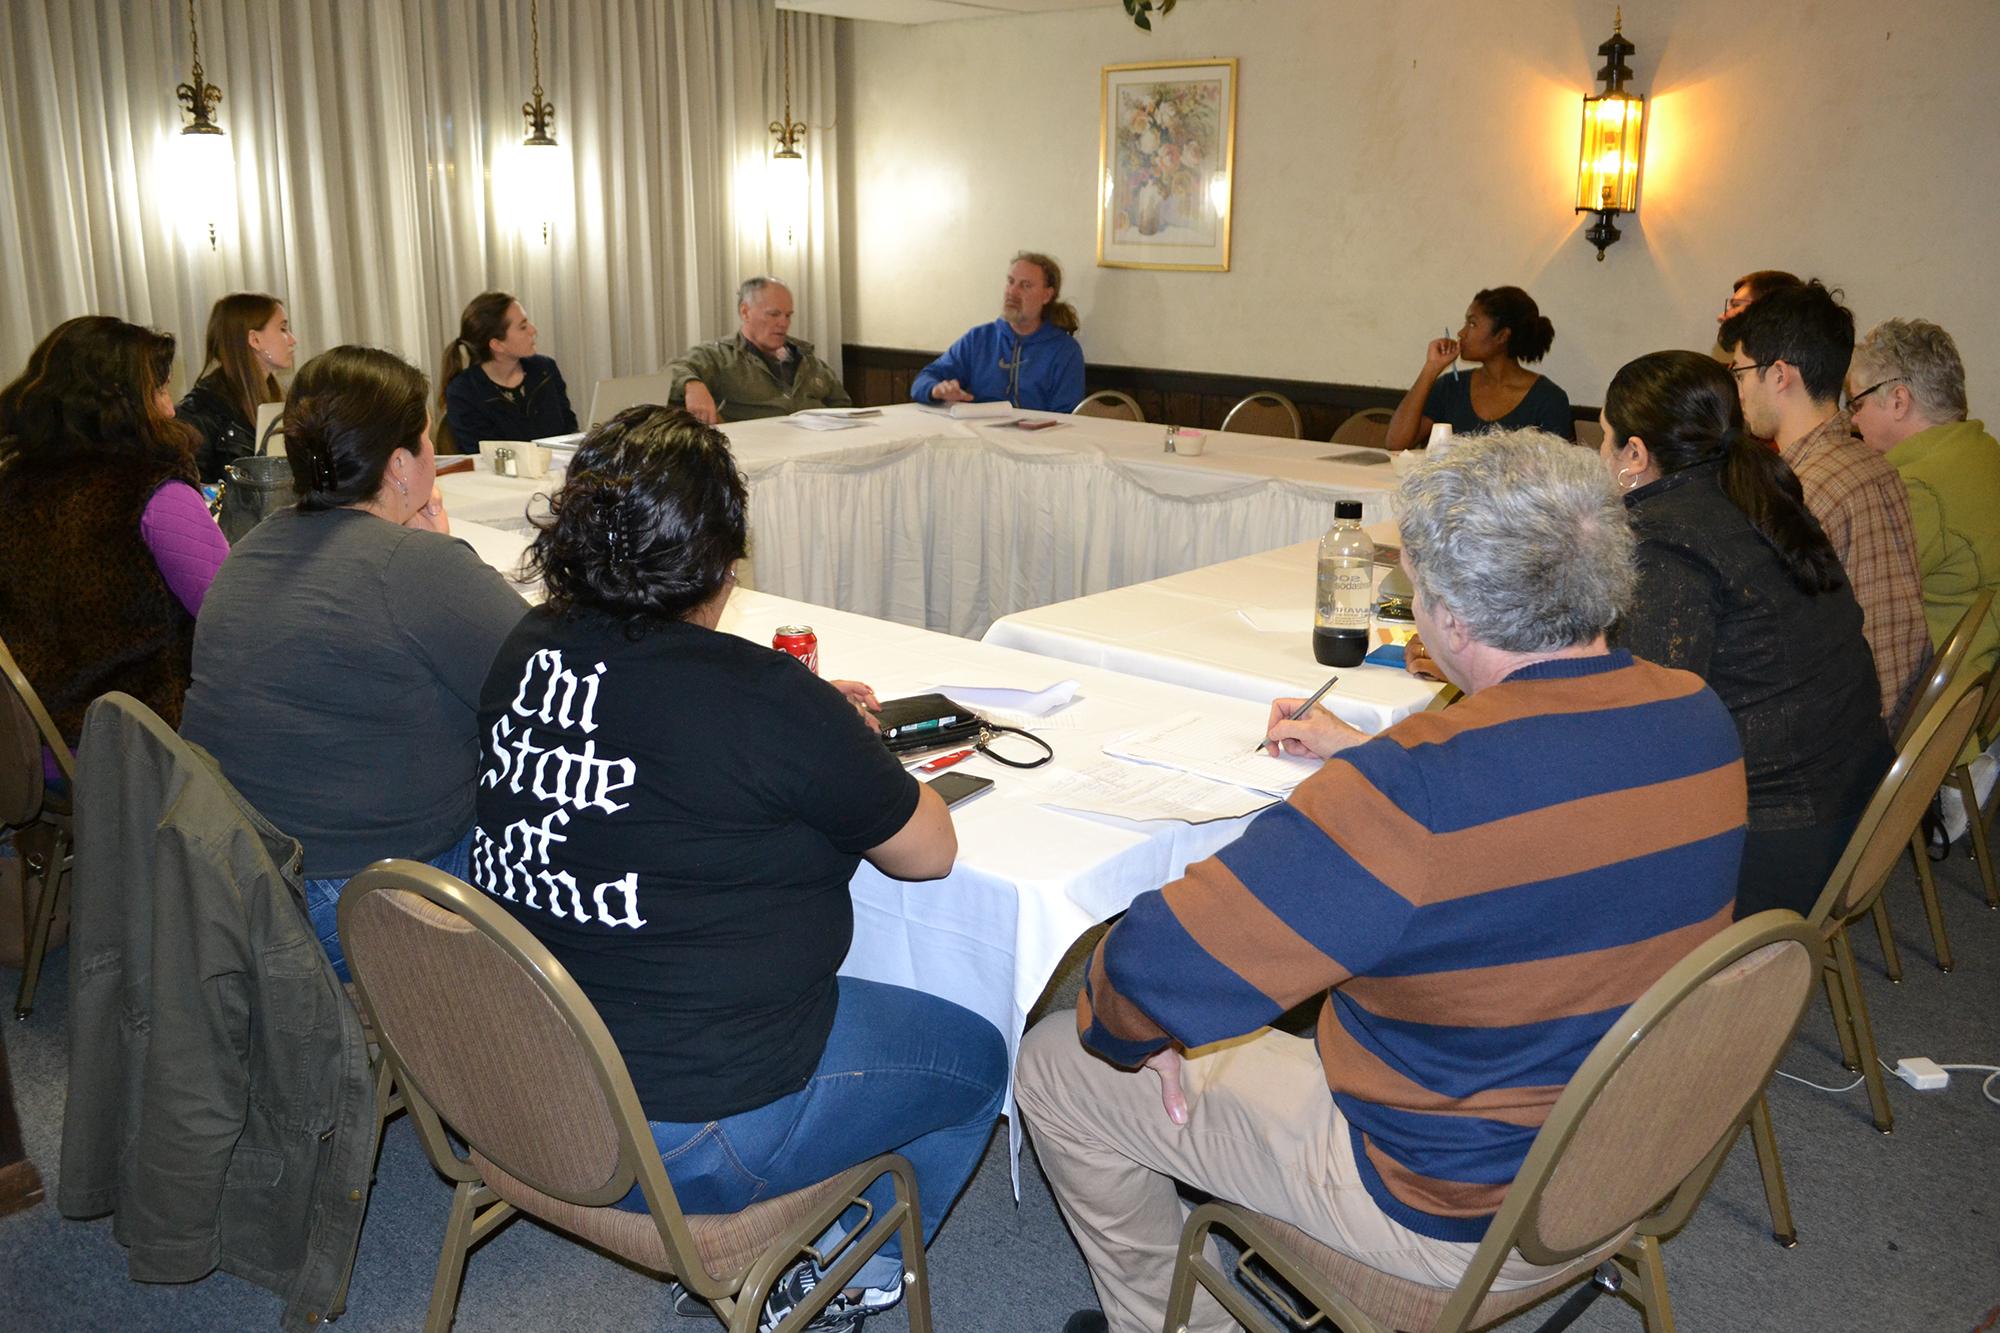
1481,892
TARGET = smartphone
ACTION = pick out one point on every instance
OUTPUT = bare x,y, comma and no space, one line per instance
958,788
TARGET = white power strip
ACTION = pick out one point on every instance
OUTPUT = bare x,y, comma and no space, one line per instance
1922,1073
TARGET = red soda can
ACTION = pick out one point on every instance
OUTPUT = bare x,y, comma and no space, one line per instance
800,642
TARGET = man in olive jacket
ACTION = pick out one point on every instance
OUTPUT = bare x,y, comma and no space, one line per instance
220,1102
762,371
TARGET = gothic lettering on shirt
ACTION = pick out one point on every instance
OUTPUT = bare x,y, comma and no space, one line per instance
519,866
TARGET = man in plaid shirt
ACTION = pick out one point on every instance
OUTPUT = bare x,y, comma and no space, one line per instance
1789,353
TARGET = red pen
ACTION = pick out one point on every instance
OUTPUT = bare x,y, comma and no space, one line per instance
943,762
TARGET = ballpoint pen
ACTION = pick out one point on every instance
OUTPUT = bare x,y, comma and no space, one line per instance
1300,711
1454,360
943,762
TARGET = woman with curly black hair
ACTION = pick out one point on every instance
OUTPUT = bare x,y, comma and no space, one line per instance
338,659
106,547
676,812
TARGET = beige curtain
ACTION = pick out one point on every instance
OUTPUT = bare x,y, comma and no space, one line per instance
371,143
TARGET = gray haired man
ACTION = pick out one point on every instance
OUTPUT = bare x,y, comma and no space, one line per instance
761,372
1475,896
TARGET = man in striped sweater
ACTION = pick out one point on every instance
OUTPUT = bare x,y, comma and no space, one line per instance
1479,893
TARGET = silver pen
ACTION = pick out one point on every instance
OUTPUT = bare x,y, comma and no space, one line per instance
1300,711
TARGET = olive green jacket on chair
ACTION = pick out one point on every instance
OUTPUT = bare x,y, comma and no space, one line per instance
220,1101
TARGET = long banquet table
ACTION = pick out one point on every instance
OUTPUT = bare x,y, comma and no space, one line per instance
927,520
1029,879
1201,629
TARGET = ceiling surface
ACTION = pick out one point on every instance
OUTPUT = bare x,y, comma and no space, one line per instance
933,11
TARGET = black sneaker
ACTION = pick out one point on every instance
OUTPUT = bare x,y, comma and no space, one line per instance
1087,1321
841,1313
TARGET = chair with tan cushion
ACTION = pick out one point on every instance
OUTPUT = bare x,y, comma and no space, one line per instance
1265,413
1892,818
489,1036
1944,677
1368,428
41,816
1623,1159
1111,404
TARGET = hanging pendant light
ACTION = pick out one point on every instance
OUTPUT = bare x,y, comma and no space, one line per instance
204,169
788,175
540,166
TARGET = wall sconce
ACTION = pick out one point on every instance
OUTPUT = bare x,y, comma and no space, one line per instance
204,168
539,170
1607,168
789,178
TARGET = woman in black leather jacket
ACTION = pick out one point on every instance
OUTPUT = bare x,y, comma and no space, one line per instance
1738,584
249,341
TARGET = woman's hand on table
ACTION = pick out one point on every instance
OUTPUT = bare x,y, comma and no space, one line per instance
1418,662
863,698
1319,733
949,391
431,517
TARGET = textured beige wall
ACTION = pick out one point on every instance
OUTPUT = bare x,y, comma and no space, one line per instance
1393,156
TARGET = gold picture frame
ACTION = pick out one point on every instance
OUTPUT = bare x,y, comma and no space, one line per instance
1166,164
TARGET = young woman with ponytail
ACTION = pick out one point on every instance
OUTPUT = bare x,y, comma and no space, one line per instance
492,386
339,654
1738,584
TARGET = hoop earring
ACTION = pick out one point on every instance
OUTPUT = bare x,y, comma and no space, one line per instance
1626,481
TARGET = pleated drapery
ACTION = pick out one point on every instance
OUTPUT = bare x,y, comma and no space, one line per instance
372,144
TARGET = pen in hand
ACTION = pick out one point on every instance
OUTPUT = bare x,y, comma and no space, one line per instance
1299,712
1454,360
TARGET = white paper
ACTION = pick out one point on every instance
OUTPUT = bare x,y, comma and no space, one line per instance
819,421
1212,749
1135,791
1034,703
847,412
1277,619
981,411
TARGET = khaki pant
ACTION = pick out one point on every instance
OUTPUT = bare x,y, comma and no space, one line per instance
1262,1131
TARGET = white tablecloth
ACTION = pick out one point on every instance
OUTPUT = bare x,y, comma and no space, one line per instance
925,520
1189,629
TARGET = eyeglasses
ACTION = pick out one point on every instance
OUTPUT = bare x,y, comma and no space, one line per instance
1737,371
1854,400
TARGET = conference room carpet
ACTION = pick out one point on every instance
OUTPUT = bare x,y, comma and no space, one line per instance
1896,1232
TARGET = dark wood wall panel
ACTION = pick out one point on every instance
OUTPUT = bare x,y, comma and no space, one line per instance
879,376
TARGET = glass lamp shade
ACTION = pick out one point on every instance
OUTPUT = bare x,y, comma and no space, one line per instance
535,188
786,202
1607,169
203,171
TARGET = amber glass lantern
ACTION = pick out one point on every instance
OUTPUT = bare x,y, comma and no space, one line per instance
1607,167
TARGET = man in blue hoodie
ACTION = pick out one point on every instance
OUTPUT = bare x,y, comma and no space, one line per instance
1028,357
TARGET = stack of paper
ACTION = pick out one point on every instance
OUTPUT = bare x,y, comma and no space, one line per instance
1218,751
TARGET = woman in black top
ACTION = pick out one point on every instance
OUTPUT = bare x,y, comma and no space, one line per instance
676,811
1504,333
249,341
492,386
1738,584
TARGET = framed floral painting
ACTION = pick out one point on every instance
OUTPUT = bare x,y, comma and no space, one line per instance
1166,165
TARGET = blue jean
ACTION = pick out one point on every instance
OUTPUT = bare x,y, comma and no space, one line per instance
323,896
902,1072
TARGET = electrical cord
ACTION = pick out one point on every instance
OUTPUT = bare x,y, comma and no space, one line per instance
1992,1072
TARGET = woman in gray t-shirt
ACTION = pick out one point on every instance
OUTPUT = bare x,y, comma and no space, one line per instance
339,654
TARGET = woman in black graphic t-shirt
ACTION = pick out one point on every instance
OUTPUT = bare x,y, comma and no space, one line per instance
675,812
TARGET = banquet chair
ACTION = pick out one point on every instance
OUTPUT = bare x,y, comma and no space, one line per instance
1884,830
1979,814
1112,404
491,1039
612,396
43,816
1622,1161
1368,428
1265,413
1942,678
1590,434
